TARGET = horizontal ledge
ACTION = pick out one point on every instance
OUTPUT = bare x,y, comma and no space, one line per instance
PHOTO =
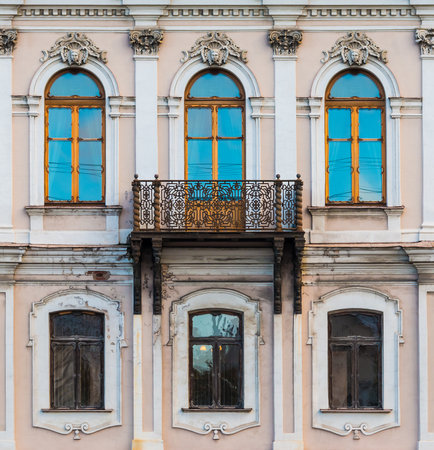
216,410
356,411
351,210
73,210
50,410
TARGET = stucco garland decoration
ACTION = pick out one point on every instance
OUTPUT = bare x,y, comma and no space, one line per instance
74,49
285,42
146,42
425,37
215,48
8,39
355,48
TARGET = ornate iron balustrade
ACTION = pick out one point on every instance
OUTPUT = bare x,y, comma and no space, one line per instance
218,206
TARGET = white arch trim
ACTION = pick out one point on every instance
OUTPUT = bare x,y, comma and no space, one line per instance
318,163
357,422
36,113
176,115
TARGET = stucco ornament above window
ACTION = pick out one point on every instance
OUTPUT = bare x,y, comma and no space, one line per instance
146,42
8,39
285,42
355,48
426,40
215,48
74,49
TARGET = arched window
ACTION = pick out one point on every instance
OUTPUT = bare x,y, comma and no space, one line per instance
214,131
355,139
74,138
216,355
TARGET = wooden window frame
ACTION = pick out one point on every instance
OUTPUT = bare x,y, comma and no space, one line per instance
74,103
76,340
355,104
214,103
354,343
215,341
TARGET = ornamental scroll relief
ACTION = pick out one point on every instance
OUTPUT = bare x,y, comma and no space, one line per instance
285,42
146,42
8,39
425,38
74,49
355,48
215,48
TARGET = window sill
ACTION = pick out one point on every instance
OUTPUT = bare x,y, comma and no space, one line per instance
73,210
216,410
356,411
50,410
355,210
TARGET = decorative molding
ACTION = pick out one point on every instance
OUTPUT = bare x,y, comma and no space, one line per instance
74,49
351,13
278,244
146,42
285,42
425,38
94,11
8,40
216,13
298,248
355,48
83,427
157,247
215,48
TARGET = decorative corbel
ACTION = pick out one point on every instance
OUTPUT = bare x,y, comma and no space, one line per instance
157,247
146,42
279,244
425,38
298,282
285,42
8,40
136,245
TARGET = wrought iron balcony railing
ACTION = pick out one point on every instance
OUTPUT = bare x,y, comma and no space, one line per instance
218,206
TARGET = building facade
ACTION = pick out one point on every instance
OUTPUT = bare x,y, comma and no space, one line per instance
216,226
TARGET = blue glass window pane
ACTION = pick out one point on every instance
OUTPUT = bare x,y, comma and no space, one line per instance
214,85
339,171
90,123
74,83
370,171
200,159
90,171
354,85
59,123
59,170
206,325
230,156
230,122
370,123
339,123
199,122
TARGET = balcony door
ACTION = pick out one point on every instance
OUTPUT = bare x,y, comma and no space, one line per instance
214,151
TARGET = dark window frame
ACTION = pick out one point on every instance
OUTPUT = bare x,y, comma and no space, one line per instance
215,341
76,340
354,342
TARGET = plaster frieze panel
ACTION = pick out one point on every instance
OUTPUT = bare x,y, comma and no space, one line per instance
425,38
285,42
8,40
74,49
215,48
355,48
146,42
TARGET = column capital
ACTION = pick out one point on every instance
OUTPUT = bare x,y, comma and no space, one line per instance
285,42
146,42
425,38
8,40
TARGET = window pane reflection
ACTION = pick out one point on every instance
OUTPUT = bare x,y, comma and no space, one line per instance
230,165
59,123
214,84
370,123
341,377
354,85
199,122
90,123
230,122
370,171
339,123
229,374
74,84
340,171
90,171
59,170
63,375
200,159
368,375
201,376
91,368
205,325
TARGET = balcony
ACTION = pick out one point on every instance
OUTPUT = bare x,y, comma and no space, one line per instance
223,206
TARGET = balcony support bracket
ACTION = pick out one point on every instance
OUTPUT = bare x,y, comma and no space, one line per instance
298,282
136,245
279,244
157,246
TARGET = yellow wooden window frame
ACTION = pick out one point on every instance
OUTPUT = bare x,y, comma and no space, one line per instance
355,105
74,103
214,103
